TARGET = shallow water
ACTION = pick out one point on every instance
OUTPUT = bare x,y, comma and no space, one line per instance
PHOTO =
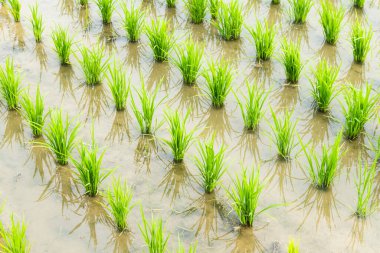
61,219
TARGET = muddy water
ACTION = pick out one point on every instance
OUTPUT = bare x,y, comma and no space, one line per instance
61,219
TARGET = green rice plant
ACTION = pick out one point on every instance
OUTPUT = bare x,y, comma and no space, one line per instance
364,189
188,60
360,107
181,248
218,82
359,3
15,8
214,6
322,171
229,20
83,2
93,64
291,59
34,112
154,236
180,138
60,134
244,194
171,3
106,8
120,203
361,41
323,89
263,36
196,10
251,106
331,18
14,238
293,247
62,44
89,166
210,164
10,81
299,9
133,21
119,86
283,131
275,2
36,22
148,104
161,40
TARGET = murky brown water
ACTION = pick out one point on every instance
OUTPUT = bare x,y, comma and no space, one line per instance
60,219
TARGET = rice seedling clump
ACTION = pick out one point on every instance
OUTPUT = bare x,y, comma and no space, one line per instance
106,8
36,22
359,3
15,8
161,40
196,10
171,3
62,44
119,86
291,59
331,18
364,188
293,247
361,41
34,112
154,236
93,64
275,2
133,21
283,134
10,81
263,36
83,2
299,9
14,238
214,6
229,20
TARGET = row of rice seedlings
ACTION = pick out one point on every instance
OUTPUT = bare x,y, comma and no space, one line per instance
283,134
34,112
323,89
291,59
180,138
218,82
106,8
188,61
322,171
361,41
160,40
293,247
133,21
229,20
359,3
10,81
60,133
118,84
331,18
62,44
13,238
153,233
171,3
299,9
196,10
93,64
210,164
263,36
364,189
36,22
360,107
251,106
214,6
15,8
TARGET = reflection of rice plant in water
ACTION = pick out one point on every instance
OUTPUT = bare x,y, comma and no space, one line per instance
229,20
117,83
92,63
331,18
62,44
360,41
15,8
364,185
323,89
153,233
291,59
14,237
10,81
106,8
293,247
196,10
36,22
34,112
283,131
161,40
263,36
133,21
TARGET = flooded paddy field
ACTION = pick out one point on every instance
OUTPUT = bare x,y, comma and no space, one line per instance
60,217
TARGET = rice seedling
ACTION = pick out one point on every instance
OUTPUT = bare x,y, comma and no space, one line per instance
360,107
188,60
119,86
331,18
359,3
83,2
60,134
15,8
323,89
299,9
275,2
93,64
10,81
36,22
120,203
89,166
14,238
263,36
214,6
62,44
364,189
160,39
218,82
244,194
133,21
283,131
251,106
291,59
229,20
148,103
322,171
196,10
210,164
171,3
153,233
181,248
180,138
361,41
34,112
293,247
106,8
